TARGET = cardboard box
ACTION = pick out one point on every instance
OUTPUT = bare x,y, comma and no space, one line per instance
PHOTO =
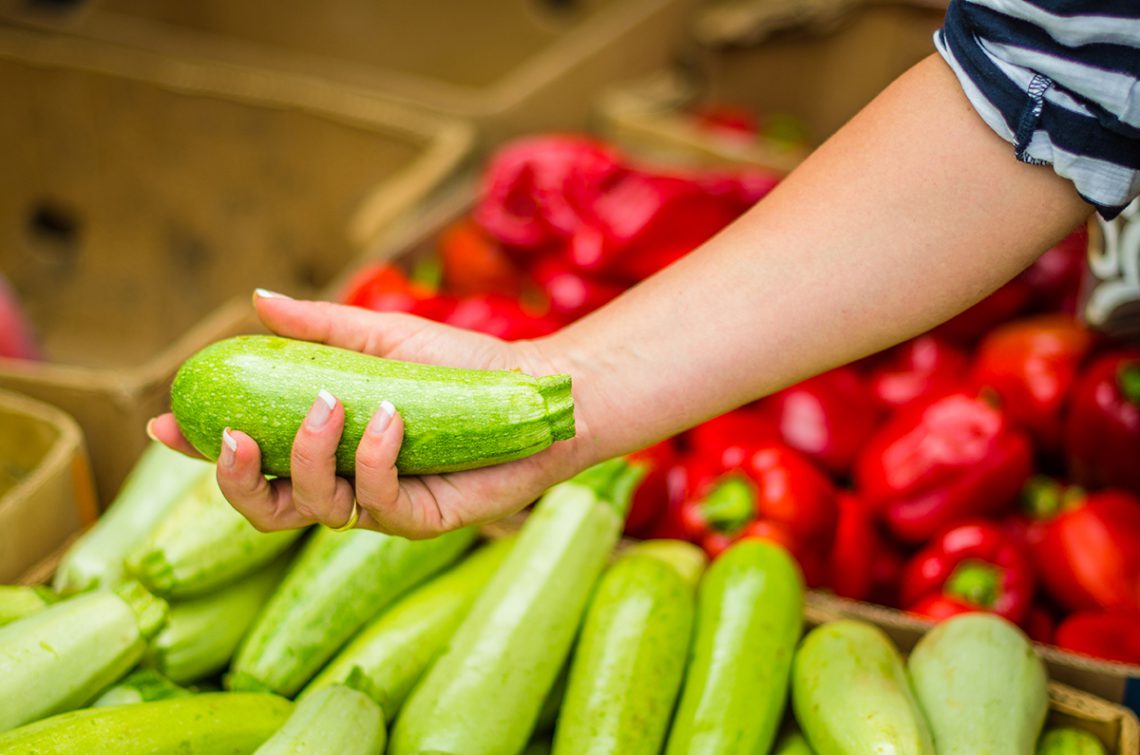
46,491
511,66
818,62
143,197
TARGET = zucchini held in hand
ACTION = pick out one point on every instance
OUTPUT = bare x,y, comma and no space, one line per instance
454,419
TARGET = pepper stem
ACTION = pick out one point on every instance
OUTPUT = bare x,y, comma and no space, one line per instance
730,505
975,582
1042,497
1128,380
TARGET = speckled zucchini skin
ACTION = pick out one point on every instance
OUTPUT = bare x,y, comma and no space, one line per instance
454,419
334,720
216,723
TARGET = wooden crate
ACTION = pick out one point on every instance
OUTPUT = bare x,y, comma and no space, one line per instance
143,197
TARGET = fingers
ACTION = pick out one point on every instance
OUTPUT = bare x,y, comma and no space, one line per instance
335,324
318,494
164,429
267,505
377,485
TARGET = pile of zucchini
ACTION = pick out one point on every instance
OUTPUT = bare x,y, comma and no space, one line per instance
174,626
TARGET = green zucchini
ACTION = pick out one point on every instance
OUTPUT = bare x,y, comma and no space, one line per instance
552,704
141,686
155,484
334,720
454,418
792,743
202,634
630,658
749,618
337,584
217,723
64,656
1065,740
484,693
981,686
20,601
852,696
394,651
202,544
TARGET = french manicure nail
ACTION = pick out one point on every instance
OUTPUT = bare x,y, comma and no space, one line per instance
229,449
265,293
382,418
322,410
150,430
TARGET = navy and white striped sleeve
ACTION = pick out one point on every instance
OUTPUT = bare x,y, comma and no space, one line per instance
1058,79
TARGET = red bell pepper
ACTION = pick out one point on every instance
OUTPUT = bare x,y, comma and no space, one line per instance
500,316
571,293
1102,433
937,463
686,474
1054,278
1111,636
1040,625
725,439
851,564
1089,555
827,418
651,498
1031,364
474,263
974,566
918,369
383,287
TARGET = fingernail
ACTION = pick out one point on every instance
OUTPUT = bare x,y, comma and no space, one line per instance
322,410
229,449
265,293
382,418
150,430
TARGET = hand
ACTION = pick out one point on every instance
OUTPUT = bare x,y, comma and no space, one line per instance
414,507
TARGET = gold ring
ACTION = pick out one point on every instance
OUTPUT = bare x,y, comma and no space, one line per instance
352,519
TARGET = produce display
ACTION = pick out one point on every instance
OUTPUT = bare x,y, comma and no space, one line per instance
557,639
987,465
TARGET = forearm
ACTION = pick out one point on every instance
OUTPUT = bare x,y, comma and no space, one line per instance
911,213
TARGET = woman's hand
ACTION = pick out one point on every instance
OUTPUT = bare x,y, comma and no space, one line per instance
415,507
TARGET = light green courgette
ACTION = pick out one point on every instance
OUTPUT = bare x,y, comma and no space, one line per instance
749,618
202,544
393,652
334,720
852,696
141,686
1065,740
981,686
337,584
631,655
212,724
484,693
453,418
155,484
792,743
202,634
20,601
64,656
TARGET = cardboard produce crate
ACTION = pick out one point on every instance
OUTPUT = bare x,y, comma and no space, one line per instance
46,492
143,197
819,62
510,65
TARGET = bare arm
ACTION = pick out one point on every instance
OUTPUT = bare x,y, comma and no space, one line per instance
911,213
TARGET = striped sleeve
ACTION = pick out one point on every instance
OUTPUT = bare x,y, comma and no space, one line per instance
1060,81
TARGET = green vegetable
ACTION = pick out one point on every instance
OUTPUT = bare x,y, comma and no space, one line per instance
18,601
211,724
64,656
340,581
142,686
203,633
792,743
337,720
484,693
156,483
749,617
981,686
628,665
202,544
1069,741
453,418
395,650
852,696
552,703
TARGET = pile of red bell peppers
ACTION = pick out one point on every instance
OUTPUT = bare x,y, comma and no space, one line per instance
991,464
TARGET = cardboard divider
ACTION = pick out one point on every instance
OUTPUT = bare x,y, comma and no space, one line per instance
138,237
46,491
511,66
